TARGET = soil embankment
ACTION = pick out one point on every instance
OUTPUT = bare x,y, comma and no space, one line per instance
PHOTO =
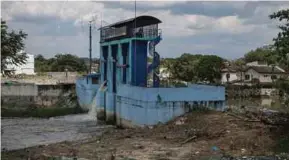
193,136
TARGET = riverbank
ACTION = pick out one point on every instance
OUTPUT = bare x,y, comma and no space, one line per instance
193,136
41,112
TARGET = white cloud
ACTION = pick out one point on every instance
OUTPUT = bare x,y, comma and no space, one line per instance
174,26
232,25
82,12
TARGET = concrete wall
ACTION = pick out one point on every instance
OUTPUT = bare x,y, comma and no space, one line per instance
61,75
153,105
85,91
26,95
19,90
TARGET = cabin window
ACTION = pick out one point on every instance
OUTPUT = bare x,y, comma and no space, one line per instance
247,77
273,77
113,32
94,80
228,75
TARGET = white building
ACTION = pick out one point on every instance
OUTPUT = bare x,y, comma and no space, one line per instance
253,71
229,75
27,68
263,72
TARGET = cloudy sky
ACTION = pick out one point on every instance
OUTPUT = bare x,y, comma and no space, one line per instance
227,29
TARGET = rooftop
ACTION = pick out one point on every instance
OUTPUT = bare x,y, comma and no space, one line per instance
140,21
265,69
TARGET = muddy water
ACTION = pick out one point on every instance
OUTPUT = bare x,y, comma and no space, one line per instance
268,103
20,133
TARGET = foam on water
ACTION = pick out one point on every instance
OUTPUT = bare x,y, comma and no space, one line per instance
26,132
90,116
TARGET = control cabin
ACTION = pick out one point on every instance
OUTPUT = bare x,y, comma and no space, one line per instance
141,27
125,49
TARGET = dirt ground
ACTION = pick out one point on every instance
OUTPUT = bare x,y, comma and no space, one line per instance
193,136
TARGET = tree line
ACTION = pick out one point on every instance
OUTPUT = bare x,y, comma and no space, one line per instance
196,67
60,63
187,67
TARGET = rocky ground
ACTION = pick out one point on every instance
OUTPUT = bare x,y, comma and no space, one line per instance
198,135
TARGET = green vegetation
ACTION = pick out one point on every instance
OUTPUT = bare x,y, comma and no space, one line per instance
281,42
282,145
60,63
195,68
12,43
40,112
264,54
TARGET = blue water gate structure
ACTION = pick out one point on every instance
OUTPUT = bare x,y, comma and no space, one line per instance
130,98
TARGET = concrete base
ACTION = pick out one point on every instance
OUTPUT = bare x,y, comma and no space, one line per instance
110,118
100,114
125,123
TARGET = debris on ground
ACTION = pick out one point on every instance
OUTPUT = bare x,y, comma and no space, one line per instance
195,135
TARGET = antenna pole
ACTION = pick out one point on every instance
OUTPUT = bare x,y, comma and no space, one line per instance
135,41
90,38
134,8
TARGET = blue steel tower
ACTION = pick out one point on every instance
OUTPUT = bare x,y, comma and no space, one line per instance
124,50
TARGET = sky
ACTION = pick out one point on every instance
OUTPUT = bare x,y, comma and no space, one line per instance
227,29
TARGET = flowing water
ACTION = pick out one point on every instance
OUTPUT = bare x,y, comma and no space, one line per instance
20,133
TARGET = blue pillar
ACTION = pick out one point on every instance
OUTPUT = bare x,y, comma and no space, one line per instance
120,61
110,96
130,69
109,68
100,101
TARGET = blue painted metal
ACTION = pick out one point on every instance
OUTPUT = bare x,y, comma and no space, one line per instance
138,63
156,61
85,89
131,101
144,108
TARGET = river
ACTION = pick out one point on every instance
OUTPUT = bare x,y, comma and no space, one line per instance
20,133
258,103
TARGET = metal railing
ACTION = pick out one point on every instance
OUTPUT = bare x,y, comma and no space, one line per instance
148,33
139,33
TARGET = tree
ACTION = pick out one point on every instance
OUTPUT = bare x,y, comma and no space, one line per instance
281,42
265,54
209,68
194,68
41,64
67,61
12,43
59,63
183,68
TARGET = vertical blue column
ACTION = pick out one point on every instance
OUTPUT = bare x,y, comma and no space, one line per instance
130,69
110,96
109,69
100,101
120,61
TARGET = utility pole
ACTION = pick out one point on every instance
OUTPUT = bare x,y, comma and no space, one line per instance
90,38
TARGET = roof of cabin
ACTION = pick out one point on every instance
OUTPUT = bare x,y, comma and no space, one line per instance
265,69
140,21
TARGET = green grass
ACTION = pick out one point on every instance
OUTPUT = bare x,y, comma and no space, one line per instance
40,112
282,145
